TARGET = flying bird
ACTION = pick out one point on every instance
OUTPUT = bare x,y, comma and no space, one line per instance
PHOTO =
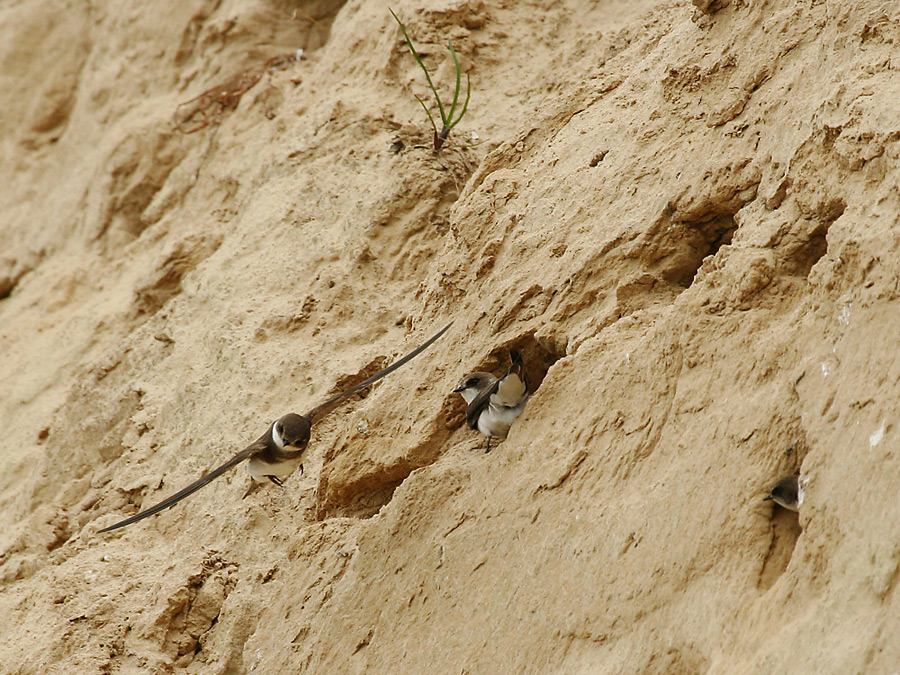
277,453
495,403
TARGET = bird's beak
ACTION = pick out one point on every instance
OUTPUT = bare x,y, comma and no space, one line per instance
459,389
765,499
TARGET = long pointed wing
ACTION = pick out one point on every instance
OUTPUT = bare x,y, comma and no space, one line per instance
189,490
479,403
320,409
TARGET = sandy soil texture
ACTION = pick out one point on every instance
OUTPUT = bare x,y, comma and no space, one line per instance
684,215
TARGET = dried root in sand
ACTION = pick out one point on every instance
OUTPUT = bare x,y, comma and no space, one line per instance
208,108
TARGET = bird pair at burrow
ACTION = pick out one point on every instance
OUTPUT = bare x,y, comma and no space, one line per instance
493,405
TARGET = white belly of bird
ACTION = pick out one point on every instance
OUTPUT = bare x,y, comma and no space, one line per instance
259,469
496,419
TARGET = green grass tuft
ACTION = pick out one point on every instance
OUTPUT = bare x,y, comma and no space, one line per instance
447,121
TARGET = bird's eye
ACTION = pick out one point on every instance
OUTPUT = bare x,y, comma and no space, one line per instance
471,382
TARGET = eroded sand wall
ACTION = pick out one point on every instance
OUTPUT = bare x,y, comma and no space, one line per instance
684,217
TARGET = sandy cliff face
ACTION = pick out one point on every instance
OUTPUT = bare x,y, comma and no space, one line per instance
684,217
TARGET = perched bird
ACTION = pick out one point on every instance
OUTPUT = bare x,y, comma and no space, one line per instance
495,403
276,454
788,492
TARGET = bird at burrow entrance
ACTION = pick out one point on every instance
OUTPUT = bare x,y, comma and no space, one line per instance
788,492
494,403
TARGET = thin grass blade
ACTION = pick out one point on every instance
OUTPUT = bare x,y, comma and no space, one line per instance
465,105
427,112
456,91
418,58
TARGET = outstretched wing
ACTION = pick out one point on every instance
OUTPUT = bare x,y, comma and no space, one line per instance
321,408
260,444
247,452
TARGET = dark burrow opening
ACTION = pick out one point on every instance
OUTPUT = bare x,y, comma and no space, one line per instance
692,243
369,493
537,356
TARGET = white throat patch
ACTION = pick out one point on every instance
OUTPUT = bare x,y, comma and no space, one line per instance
277,437
469,394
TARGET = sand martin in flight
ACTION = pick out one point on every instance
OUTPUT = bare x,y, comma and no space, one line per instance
275,454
